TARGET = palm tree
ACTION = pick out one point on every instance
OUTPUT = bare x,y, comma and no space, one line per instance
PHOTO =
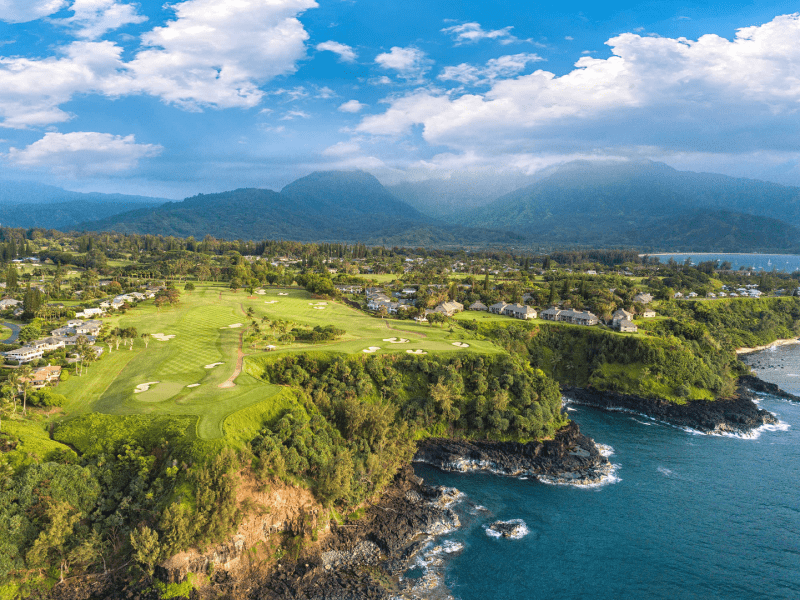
25,379
13,387
146,339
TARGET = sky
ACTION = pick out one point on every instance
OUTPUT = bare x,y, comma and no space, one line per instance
173,99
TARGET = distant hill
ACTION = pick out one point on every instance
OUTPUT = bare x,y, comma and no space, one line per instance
460,192
649,205
28,204
323,206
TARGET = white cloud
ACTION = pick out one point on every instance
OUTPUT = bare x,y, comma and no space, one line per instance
218,53
496,68
83,153
212,54
410,63
23,11
294,114
342,149
470,33
345,52
32,90
351,106
651,91
94,18
569,38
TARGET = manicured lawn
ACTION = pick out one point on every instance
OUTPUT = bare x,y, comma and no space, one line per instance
200,324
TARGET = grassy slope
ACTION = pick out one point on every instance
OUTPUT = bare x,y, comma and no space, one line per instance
200,325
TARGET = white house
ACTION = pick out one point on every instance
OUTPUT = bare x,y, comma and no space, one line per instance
520,311
25,354
626,326
498,308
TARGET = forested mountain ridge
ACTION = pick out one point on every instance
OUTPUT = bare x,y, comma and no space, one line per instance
323,206
631,203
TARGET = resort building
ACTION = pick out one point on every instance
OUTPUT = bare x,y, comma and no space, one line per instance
520,311
478,305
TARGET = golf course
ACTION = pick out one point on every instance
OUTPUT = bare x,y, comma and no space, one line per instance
195,364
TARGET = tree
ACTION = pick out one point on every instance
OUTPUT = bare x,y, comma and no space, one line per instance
85,351
24,372
146,550
189,287
53,539
146,339
7,393
12,277
383,311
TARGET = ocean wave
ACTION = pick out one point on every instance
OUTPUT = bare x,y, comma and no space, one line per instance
750,435
665,471
605,449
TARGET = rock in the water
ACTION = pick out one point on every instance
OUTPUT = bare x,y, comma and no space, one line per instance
513,529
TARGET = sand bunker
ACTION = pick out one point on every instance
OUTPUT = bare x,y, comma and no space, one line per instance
461,344
261,292
234,326
143,387
283,293
270,302
415,352
318,304
396,340
161,337
212,365
371,349
193,385
319,308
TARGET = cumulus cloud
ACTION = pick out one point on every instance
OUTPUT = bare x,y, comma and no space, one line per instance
31,90
212,54
94,18
470,33
23,11
351,106
410,63
342,149
495,68
345,52
83,153
662,92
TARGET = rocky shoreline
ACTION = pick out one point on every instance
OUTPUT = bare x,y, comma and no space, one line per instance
755,385
732,416
570,457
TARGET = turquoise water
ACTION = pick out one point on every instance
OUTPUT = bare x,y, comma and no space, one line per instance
690,516
767,262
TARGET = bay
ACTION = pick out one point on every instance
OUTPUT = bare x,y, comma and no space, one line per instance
689,515
787,263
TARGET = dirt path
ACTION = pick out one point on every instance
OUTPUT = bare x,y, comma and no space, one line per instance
229,382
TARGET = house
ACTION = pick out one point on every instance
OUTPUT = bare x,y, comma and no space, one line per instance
89,312
643,298
649,313
577,317
692,294
520,311
498,308
478,305
7,303
47,344
620,315
711,295
550,314
376,302
43,375
677,295
626,326
24,355
449,308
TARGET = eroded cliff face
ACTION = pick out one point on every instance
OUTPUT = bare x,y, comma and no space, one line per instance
272,512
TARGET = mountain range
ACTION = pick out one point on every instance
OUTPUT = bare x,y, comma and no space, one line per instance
645,205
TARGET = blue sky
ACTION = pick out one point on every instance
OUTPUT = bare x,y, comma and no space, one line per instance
208,95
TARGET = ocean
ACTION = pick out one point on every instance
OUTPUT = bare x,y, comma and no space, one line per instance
760,262
686,515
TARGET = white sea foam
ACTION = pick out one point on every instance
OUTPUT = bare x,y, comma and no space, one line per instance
664,471
605,450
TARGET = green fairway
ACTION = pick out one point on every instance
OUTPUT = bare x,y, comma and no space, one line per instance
200,324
